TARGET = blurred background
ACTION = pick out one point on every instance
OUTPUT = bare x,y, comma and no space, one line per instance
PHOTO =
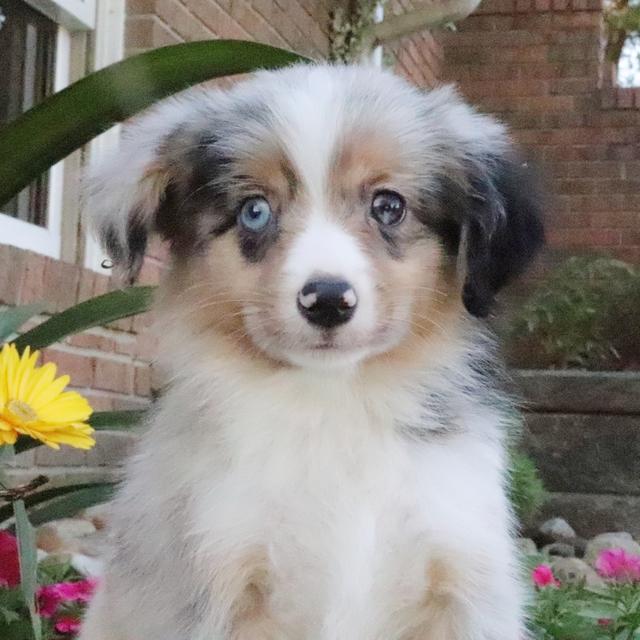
563,74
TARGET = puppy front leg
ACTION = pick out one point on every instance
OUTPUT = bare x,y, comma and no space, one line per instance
241,591
252,620
467,600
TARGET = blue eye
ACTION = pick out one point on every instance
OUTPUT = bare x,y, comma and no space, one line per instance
255,214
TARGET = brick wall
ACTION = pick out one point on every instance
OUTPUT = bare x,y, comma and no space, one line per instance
538,65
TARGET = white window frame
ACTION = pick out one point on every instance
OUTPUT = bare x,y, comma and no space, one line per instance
75,15
25,235
109,48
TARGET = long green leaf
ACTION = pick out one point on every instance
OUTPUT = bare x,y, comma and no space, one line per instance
116,420
69,119
12,319
100,421
90,313
28,564
69,505
35,499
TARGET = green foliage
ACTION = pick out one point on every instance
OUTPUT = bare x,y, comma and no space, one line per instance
576,612
15,621
583,315
12,319
526,490
28,564
95,312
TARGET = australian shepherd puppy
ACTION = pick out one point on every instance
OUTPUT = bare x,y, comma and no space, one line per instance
328,461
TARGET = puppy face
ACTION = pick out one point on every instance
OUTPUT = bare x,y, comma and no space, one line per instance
321,216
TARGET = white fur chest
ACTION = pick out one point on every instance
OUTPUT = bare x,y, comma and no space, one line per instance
312,488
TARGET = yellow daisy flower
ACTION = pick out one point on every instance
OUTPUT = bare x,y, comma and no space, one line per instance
33,403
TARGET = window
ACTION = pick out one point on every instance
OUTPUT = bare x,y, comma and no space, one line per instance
37,53
27,44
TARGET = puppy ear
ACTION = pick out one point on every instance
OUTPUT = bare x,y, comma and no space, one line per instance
125,193
502,227
124,211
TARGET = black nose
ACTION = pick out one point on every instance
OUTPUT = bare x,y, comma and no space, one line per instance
327,303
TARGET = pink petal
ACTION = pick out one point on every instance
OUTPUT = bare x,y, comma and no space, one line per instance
542,576
67,625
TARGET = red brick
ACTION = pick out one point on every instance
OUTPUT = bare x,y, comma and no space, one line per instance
12,263
147,32
79,368
32,280
143,381
624,98
91,341
113,376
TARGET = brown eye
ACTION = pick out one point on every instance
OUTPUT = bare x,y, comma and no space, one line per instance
387,208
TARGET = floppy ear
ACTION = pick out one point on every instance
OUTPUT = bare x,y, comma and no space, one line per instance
125,194
501,228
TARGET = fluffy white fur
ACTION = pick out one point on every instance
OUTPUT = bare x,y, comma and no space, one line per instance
355,509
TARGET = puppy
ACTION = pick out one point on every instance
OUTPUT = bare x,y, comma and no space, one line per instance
328,462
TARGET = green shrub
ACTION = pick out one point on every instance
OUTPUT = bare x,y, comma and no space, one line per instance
584,315
526,490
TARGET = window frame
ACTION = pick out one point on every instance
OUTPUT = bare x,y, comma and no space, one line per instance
108,48
74,15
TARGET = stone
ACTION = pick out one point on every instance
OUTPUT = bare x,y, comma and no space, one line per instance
612,540
526,546
63,535
557,530
561,549
99,515
575,571
580,545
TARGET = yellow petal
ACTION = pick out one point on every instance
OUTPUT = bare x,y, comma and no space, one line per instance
27,369
68,407
40,380
8,437
49,393
71,438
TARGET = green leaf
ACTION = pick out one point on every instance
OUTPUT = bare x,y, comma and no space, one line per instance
35,499
69,505
90,313
70,118
12,319
28,564
100,421
116,420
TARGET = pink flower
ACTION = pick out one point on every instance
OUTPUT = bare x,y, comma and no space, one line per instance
81,591
9,560
67,624
48,600
52,595
618,565
605,622
542,576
